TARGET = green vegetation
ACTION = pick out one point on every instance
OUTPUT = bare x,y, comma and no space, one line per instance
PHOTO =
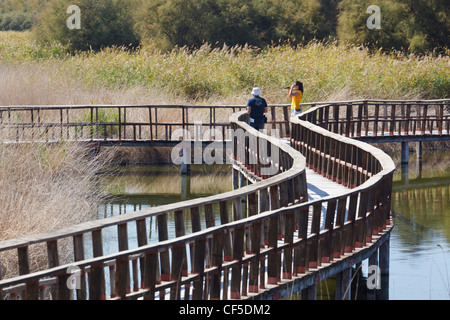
19,15
207,74
416,26
105,23
102,116
407,25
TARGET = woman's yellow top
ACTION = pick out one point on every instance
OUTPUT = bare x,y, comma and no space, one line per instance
296,101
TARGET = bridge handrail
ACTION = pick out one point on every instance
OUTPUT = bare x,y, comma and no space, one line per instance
297,168
289,167
113,123
380,175
385,118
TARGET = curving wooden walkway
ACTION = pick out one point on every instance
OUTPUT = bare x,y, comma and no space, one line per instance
275,235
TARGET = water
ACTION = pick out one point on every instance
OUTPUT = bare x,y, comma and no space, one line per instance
420,250
141,187
419,247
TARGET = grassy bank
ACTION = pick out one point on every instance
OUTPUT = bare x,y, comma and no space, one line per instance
225,76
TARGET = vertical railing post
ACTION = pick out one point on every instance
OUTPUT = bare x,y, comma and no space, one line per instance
163,235
32,287
238,251
123,267
216,261
97,277
179,258
78,249
120,124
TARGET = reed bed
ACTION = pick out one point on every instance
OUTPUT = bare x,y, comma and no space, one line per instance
226,75
44,188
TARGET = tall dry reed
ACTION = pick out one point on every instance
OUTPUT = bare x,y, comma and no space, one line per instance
210,75
44,188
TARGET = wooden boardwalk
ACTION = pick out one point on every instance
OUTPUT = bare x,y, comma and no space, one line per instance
299,228
321,187
318,187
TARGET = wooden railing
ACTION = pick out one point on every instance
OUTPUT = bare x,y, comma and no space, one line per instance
281,231
364,118
178,259
123,123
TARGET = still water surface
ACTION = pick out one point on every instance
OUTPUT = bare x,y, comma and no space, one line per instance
420,240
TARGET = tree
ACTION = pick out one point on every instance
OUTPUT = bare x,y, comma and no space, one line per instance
177,22
104,23
430,25
167,23
407,25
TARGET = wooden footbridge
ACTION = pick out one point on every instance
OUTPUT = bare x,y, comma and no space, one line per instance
303,209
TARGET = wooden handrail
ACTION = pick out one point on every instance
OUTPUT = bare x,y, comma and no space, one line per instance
293,165
380,118
113,122
276,226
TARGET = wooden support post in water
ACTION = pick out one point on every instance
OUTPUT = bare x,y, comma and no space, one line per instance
309,293
419,160
185,162
384,269
405,152
344,284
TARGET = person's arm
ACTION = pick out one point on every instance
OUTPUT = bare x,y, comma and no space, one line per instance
292,93
249,109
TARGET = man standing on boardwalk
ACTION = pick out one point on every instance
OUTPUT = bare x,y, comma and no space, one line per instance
256,108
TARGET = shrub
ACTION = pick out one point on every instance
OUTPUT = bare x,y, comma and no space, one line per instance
15,21
104,23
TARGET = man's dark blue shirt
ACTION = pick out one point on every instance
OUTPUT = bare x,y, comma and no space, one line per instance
257,105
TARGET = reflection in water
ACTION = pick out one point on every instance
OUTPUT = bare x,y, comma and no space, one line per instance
167,180
420,240
138,188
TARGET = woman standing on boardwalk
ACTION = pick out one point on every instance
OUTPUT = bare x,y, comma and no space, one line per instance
295,93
